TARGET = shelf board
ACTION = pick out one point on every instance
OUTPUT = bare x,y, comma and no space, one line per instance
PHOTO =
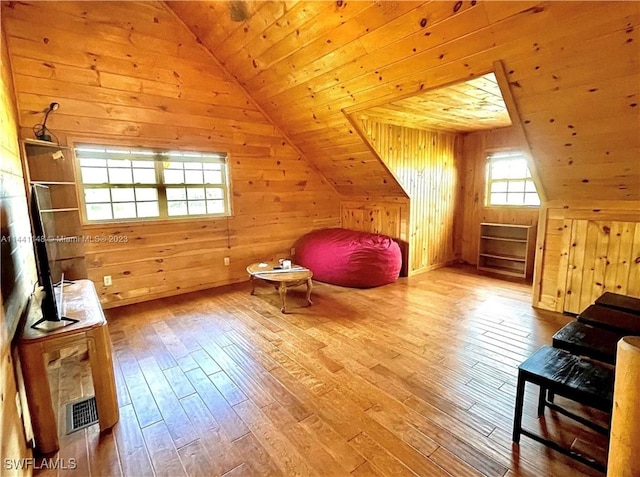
504,239
38,142
503,271
53,183
510,258
69,209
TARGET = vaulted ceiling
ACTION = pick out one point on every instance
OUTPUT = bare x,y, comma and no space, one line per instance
573,69
473,105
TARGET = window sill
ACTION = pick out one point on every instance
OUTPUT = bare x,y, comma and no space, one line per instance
154,221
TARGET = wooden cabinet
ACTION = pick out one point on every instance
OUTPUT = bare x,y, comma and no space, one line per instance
507,249
51,165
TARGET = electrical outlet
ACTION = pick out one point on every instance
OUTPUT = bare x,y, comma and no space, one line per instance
226,261
293,251
107,280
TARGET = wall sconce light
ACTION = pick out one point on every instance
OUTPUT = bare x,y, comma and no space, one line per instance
40,130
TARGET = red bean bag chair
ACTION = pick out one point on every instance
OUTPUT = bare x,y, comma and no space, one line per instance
349,258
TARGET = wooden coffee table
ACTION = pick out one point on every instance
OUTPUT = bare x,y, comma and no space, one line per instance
282,278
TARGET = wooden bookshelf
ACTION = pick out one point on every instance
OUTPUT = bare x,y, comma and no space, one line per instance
507,249
51,165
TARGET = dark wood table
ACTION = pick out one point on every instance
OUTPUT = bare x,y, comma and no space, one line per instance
586,340
624,303
559,372
611,319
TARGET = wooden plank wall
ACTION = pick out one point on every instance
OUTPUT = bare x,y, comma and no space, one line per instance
585,249
573,68
132,73
428,166
476,146
388,217
18,270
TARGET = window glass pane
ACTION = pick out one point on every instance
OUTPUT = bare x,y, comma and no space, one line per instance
515,199
143,164
144,176
177,207
215,206
500,169
176,193
530,187
99,212
531,199
94,175
195,193
93,162
498,199
122,195
119,163
499,186
193,177
213,177
124,210
146,193
123,182
517,169
215,193
120,176
172,176
148,209
97,195
197,207
516,186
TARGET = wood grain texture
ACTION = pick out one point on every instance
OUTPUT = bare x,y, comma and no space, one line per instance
18,272
473,105
414,378
428,165
588,248
135,75
476,147
573,70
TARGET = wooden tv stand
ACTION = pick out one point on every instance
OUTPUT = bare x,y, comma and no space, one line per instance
81,303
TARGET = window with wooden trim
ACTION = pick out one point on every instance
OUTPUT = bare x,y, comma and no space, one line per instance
509,181
120,184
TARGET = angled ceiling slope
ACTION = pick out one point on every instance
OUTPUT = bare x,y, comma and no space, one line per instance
573,67
474,105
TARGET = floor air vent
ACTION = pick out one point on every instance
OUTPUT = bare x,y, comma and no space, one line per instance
81,414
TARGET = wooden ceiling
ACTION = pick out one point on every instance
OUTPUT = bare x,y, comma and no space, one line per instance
473,105
573,69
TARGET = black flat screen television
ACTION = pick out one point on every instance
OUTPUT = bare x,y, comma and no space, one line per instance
46,252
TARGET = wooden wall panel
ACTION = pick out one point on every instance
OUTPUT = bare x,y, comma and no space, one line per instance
18,270
573,68
587,248
134,74
428,166
476,146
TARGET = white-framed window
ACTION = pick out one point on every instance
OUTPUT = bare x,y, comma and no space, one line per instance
123,183
509,181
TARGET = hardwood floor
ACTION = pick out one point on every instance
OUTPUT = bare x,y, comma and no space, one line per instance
414,378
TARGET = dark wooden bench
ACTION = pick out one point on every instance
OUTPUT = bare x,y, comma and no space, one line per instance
582,380
586,340
624,303
611,319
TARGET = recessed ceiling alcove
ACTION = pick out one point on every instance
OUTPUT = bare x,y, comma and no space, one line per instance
472,105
